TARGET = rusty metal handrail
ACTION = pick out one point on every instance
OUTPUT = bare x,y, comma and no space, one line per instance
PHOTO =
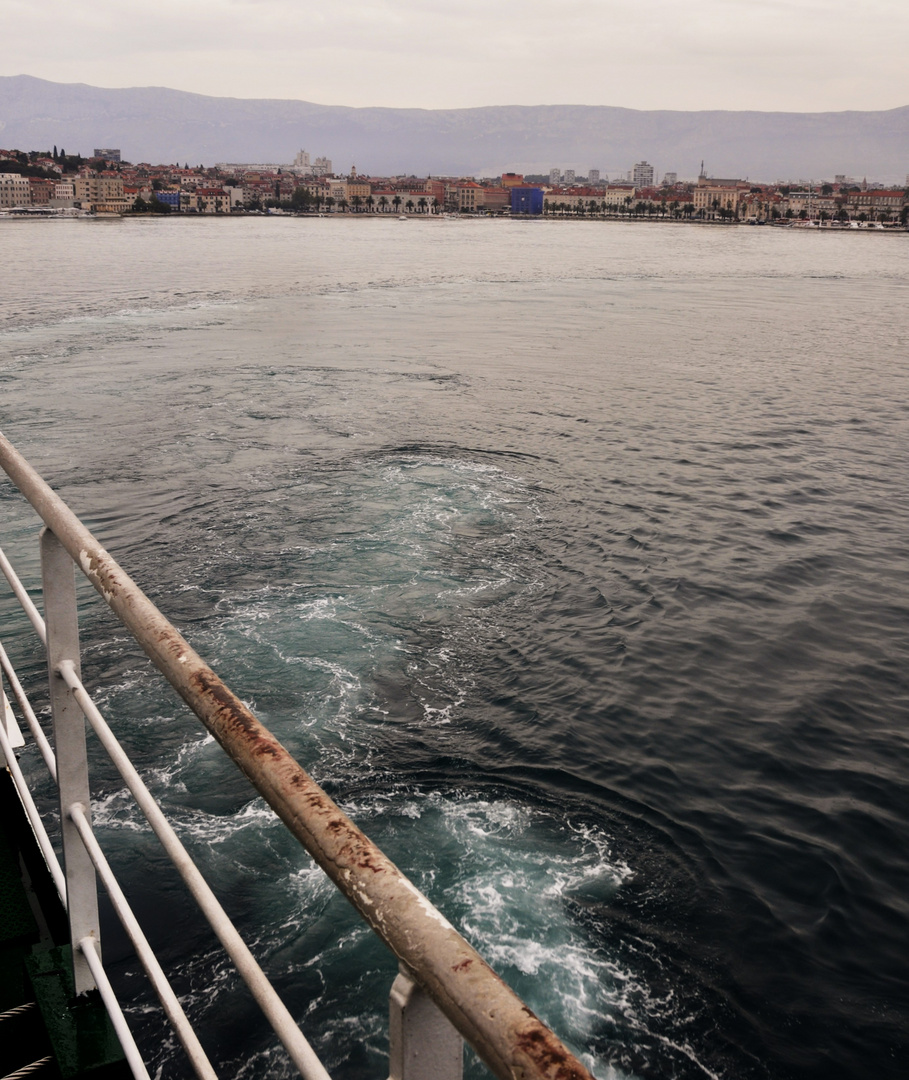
504,1032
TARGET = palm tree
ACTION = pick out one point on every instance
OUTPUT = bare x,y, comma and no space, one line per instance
370,203
357,202
408,206
329,203
383,203
396,201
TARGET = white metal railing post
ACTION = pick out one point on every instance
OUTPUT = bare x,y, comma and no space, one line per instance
422,1044
58,577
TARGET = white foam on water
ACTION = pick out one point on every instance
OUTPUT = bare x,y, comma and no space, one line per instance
505,873
501,870
443,542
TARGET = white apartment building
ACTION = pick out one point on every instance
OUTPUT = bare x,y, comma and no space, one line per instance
304,165
642,175
14,190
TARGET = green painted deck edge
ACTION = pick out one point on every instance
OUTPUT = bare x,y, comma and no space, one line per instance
79,1029
35,962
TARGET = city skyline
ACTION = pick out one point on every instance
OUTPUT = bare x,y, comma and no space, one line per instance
168,125
797,56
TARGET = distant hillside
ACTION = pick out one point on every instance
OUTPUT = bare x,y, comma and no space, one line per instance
159,125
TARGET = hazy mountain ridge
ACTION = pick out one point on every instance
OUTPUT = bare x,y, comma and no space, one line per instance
161,125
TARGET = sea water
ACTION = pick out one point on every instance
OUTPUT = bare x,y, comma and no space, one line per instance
570,557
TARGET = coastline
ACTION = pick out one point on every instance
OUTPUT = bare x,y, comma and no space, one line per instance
804,226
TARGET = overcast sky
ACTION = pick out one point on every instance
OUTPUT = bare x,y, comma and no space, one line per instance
791,55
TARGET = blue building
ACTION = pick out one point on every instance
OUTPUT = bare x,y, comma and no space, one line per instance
172,198
526,200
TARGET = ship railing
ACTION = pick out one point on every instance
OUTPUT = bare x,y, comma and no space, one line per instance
444,993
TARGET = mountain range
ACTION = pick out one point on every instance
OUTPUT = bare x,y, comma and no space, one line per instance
158,125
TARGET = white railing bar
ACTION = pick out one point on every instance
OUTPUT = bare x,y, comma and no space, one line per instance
505,1033
183,1030
277,1013
61,612
24,599
28,712
34,818
169,1001
88,946
158,979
